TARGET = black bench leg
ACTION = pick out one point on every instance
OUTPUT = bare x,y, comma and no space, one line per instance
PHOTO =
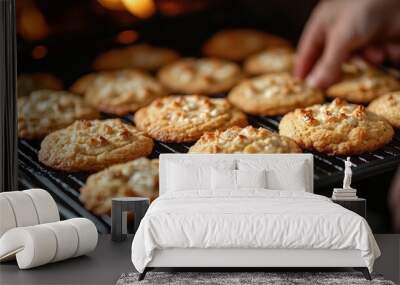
364,271
142,275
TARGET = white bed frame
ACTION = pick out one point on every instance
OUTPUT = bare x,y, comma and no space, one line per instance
250,258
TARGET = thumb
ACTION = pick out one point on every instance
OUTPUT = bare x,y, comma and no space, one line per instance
339,44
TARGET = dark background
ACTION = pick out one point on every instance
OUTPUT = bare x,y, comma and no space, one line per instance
78,30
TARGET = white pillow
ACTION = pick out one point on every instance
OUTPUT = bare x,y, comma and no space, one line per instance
184,175
183,178
251,178
224,179
291,175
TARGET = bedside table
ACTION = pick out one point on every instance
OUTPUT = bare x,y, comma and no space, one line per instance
119,211
358,206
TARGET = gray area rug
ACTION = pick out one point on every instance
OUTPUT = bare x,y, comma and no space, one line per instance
243,278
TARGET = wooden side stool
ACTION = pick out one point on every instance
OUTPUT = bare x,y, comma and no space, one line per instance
119,212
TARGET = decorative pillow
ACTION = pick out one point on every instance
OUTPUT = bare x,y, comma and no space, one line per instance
288,175
187,175
223,179
251,178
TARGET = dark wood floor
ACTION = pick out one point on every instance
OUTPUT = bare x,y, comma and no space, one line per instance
110,260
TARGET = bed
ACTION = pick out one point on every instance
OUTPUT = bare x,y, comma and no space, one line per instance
247,211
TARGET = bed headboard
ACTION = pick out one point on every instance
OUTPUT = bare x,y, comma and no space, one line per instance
204,159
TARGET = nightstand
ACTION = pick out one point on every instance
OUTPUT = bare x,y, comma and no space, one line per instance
119,215
358,205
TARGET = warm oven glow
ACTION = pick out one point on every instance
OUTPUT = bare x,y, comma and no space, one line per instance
140,8
113,4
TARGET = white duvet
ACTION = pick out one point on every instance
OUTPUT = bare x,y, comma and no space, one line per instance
250,219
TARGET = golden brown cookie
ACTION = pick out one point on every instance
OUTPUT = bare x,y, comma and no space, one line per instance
273,94
26,83
121,92
272,60
336,128
93,145
186,118
136,178
388,107
244,140
237,44
362,83
141,56
81,85
45,111
200,76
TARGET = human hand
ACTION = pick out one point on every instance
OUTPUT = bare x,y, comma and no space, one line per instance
339,28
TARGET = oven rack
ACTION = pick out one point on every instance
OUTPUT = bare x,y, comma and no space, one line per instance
328,170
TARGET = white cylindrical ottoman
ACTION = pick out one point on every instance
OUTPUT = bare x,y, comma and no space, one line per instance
46,207
7,218
23,208
26,208
40,244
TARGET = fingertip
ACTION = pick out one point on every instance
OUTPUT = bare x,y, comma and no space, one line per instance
329,68
322,77
317,82
312,81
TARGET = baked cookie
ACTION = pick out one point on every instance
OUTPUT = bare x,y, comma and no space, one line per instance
200,76
93,145
244,140
388,107
186,118
273,94
137,178
336,128
81,85
141,56
272,60
121,92
45,111
26,83
362,83
237,44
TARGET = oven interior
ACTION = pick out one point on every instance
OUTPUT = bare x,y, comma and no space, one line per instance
77,31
